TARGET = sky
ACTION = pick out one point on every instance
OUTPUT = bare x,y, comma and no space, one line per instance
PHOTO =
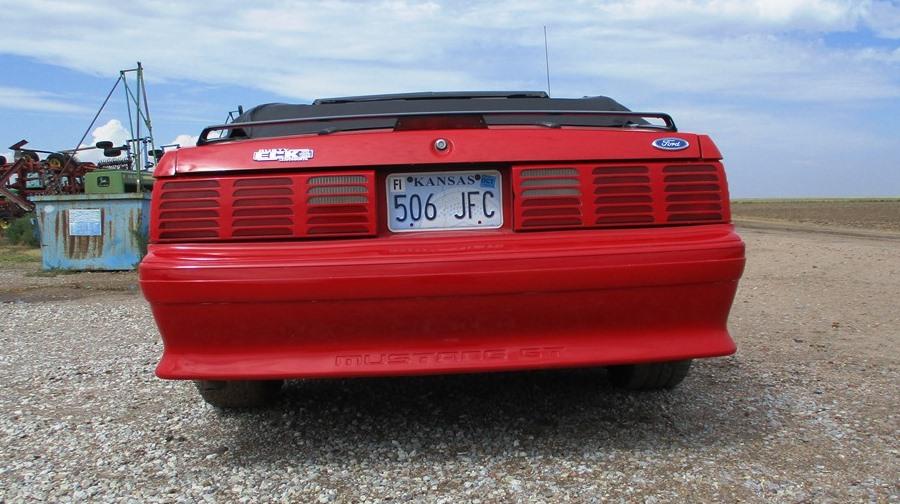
801,96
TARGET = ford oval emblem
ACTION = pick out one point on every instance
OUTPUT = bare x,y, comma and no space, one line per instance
671,143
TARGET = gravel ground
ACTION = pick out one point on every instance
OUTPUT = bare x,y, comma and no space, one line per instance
807,410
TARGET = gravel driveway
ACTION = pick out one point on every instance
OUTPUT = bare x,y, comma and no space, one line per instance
807,410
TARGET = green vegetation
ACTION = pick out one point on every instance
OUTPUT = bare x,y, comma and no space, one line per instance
19,255
22,231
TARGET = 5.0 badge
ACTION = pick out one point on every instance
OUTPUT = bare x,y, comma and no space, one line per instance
283,155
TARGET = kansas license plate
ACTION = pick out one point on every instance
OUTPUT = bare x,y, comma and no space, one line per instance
444,200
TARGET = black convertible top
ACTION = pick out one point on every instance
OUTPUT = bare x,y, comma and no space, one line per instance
475,109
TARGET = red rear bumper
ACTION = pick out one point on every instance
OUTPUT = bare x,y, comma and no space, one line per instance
443,303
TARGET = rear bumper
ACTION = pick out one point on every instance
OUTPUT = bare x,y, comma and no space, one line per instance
442,303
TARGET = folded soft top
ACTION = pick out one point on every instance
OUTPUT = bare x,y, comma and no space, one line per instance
326,115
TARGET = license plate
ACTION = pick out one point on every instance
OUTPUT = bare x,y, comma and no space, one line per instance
444,200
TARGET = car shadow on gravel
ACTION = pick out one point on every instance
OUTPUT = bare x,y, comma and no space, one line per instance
550,413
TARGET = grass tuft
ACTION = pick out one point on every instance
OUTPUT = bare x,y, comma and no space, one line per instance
10,254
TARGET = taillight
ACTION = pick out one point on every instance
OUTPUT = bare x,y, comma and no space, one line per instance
253,207
548,197
581,195
340,205
622,195
694,193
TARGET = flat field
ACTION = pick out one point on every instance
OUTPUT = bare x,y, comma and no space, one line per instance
807,410
869,214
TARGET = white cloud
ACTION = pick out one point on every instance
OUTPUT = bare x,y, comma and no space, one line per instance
27,99
747,66
764,48
880,55
185,140
113,131
884,19
807,83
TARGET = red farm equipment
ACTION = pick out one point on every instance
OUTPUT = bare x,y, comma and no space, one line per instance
28,176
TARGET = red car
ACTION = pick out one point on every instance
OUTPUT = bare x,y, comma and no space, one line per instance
436,233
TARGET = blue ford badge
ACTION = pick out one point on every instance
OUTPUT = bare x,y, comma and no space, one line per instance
671,143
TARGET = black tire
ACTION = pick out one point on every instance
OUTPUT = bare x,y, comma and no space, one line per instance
57,161
651,376
239,394
2,160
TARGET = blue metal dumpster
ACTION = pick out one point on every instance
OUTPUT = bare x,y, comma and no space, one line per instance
93,231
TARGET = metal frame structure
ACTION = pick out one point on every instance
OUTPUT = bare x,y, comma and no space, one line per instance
64,174
137,146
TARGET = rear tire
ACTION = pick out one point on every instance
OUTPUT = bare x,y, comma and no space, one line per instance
239,393
651,376
56,161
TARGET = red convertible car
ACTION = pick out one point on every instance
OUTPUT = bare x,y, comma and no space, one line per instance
434,233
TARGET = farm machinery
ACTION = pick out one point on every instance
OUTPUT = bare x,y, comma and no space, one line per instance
27,175
123,168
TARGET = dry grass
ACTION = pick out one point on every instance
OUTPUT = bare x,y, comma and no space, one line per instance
14,254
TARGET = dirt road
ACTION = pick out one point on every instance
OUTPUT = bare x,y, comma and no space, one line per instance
807,410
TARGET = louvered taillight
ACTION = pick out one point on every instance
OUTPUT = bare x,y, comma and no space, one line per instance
582,195
694,193
548,197
186,210
339,204
622,196
262,207
255,207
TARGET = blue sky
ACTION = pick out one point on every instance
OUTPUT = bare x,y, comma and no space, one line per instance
803,97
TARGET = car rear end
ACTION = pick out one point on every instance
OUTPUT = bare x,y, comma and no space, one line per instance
444,244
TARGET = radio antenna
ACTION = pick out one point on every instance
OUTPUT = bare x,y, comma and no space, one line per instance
547,58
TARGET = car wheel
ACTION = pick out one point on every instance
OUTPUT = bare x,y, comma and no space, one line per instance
651,376
239,394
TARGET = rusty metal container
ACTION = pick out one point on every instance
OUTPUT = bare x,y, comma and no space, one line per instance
93,231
